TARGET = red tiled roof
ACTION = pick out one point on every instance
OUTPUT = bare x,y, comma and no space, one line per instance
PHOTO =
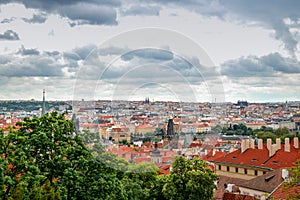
145,126
284,192
195,145
283,159
256,123
166,159
260,158
231,196
116,129
89,125
211,157
223,195
142,159
105,117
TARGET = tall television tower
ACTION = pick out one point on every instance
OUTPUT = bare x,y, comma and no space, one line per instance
44,104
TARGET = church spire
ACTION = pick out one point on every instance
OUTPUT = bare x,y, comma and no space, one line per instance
44,104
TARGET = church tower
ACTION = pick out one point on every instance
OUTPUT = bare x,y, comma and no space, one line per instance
155,154
170,139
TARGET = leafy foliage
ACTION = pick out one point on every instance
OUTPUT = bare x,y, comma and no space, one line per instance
265,135
189,179
30,105
237,129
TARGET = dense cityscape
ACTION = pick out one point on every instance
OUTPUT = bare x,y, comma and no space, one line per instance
250,146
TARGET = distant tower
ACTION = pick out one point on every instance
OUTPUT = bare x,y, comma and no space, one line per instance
171,140
44,104
170,127
147,101
155,154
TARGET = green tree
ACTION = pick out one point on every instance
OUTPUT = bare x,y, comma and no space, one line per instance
282,131
45,157
265,135
139,180
266,129
190,179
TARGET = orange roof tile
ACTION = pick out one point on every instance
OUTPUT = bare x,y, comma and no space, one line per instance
284,192
260,158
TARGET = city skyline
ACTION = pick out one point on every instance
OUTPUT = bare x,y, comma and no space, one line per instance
70,48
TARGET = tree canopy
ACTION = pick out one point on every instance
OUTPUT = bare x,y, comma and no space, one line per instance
189,179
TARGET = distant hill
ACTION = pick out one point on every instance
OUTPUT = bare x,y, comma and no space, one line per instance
11,106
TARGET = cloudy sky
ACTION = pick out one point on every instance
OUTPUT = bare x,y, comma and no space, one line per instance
193,50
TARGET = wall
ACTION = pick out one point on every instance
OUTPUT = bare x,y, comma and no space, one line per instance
240,173
255,193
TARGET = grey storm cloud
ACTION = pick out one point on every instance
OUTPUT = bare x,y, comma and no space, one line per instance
9,35
149,54
52,53
39,18
79,12
270,15
203,7
149,64
34,63
27,52
266,66
142,10
8,20
29,67
111,50
76,55
4,60
83,13
94,66
84,51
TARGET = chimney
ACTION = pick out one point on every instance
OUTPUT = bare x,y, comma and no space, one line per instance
260,144
243,146
272,150
252,143
214,152
296,142
287,145
269,143
284,174
278,143
247,144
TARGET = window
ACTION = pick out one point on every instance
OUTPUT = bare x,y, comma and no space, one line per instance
236,170
255,173
257,196
228,169
245,171
219,167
